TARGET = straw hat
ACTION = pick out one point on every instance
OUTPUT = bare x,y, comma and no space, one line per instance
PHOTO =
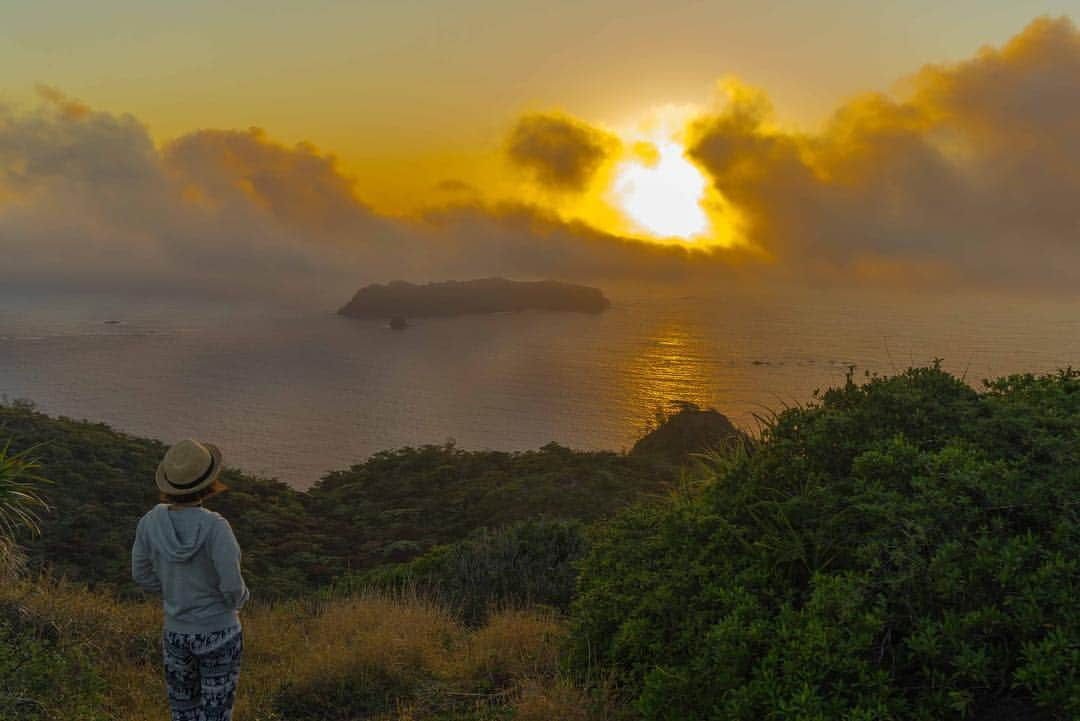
187,467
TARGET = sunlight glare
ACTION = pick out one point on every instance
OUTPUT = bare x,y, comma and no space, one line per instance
664,197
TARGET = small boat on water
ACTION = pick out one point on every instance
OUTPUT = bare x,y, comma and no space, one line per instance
398,323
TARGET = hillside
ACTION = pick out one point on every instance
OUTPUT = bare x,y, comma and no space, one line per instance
392,507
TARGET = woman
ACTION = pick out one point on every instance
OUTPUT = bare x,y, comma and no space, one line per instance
189,555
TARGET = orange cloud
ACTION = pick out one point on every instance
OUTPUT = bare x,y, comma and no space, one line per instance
70,108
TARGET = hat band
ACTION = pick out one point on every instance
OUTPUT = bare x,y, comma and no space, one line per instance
197,481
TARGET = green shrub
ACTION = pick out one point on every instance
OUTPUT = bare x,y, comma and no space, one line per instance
419,498
904,549
525,563
42,681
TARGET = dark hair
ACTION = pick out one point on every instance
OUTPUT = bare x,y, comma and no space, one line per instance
199,495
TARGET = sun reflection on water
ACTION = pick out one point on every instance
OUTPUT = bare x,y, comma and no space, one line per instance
671,366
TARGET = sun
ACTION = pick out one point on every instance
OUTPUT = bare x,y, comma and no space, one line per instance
661,192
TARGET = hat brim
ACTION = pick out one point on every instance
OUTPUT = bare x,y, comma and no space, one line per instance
210,477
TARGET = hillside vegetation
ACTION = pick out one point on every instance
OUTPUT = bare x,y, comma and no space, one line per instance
391,508
901,548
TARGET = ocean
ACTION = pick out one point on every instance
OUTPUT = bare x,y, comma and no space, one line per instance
292,393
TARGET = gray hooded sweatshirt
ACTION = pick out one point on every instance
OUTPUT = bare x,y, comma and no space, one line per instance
190,556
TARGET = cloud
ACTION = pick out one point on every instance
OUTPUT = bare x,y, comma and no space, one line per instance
298,186
88,200
562,153
65,105
529,242
972,176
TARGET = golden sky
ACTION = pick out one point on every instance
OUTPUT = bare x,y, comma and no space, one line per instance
408,93
890,142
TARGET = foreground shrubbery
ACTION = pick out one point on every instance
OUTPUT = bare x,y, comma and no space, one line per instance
38,675
905,549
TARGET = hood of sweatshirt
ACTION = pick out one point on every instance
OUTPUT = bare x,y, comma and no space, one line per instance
179,534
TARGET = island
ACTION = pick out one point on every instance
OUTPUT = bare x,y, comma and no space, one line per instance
400,299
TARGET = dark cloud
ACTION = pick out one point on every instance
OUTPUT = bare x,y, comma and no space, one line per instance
526,241
973,177
562,153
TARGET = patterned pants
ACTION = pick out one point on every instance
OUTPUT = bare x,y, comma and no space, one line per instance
201,671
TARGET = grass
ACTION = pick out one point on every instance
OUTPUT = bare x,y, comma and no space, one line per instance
20,502
370,655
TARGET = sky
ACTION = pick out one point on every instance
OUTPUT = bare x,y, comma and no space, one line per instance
406,88
170,144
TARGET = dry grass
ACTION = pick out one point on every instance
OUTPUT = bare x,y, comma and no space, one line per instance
513,645
559,699
402,645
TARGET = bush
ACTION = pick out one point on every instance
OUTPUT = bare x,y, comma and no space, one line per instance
43,681
526,563
906,548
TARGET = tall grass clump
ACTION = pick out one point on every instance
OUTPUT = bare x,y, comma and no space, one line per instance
20,503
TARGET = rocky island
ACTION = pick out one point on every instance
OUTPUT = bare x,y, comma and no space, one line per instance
485,295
